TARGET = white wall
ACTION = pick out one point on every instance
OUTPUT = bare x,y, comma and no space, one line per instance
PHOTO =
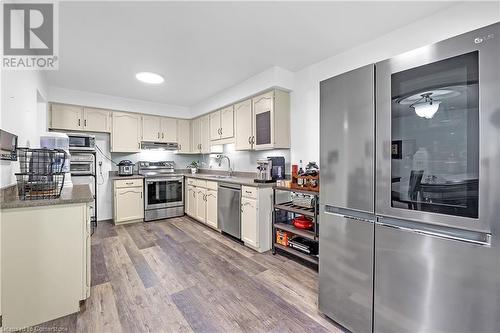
274,77
63,95
23,112
305,96
304,84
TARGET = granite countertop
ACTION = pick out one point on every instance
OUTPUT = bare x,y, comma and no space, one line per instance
242,180
69,195
113,175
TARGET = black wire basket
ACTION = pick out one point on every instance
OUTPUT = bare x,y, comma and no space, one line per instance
41,175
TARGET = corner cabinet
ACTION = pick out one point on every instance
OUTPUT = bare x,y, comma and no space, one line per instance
271,120
184,136
200,135
126,133
128,201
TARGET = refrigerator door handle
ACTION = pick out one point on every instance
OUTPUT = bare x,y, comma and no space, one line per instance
466,236
350,214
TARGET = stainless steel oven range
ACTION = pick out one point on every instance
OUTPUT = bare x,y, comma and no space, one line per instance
164,190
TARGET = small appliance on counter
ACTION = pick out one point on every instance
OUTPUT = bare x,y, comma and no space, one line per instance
55,140
270,169
81,141
125,168
8,146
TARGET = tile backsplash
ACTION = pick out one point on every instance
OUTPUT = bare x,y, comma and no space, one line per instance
240,160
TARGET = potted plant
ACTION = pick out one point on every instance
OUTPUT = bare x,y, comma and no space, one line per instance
194,166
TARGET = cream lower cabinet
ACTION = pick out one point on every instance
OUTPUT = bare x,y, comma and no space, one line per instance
211,201
256,217
249,226
45,263
128,201
201,201
190,197
201,204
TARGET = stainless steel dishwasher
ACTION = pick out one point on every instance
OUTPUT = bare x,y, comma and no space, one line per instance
228,209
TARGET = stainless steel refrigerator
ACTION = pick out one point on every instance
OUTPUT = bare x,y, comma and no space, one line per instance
430,262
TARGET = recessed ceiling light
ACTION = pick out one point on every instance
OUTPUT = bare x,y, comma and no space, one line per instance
148,77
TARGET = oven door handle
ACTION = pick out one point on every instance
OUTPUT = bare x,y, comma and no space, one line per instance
152,180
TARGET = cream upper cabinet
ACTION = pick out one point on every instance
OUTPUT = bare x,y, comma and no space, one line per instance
249,223
263,119
168,129
128,203
222,124
205,134
244,125
201,204
227,122
69,117
151,128
184,135
126,133
195,135
96,120
215,125
271,120
211,202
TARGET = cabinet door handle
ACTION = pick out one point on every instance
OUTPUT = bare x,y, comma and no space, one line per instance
180,147
253,139
129,183
158,135
85,123
139,145
250,140
162,135
78,121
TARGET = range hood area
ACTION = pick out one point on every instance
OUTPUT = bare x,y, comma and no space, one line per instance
159,145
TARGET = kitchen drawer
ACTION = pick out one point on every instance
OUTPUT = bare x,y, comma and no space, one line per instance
121,183
211,185
191,181
249,192
201,183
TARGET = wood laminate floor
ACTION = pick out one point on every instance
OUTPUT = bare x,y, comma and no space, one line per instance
177,275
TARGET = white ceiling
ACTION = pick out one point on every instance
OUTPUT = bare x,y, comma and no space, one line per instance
203,48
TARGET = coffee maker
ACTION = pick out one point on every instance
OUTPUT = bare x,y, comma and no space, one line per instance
270,169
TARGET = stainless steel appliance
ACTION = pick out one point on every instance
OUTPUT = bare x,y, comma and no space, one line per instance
278,167
270,169
125,168
432,252
164,190
347,198
81,164
228,209
81,141
438,228
8,146
159,145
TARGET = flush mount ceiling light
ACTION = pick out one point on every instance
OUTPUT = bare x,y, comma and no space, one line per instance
150,78
426,107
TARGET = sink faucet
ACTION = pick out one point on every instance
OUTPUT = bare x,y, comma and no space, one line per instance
219,159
